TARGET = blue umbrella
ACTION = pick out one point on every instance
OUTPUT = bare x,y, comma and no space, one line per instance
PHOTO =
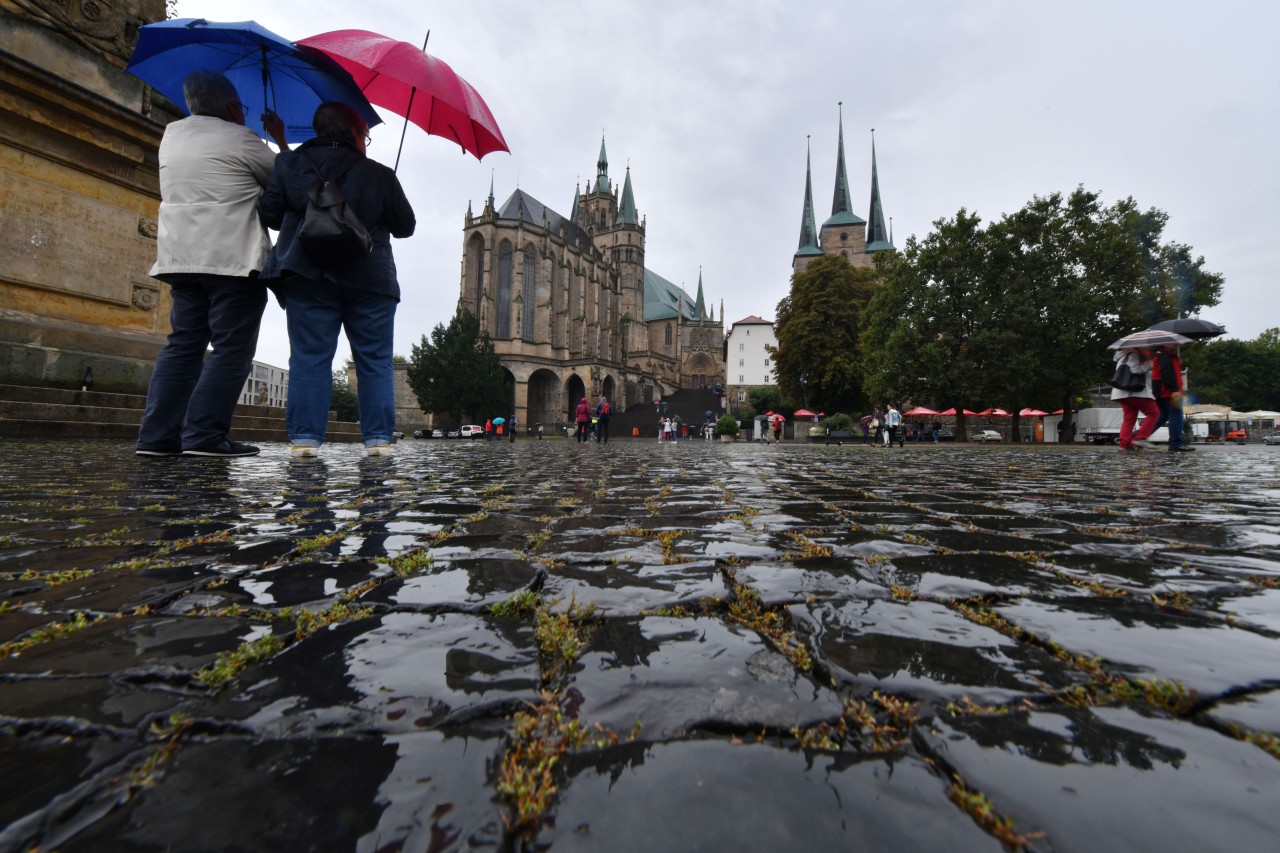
499,420
267,70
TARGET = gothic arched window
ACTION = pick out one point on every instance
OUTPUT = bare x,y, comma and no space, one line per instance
529,292
668,334
503,329
477,271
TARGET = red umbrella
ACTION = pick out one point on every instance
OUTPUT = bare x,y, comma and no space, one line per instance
411,83
994,413
803,413
1031,413
951,412
920,410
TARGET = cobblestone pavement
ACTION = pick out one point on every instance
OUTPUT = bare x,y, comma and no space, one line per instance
640,647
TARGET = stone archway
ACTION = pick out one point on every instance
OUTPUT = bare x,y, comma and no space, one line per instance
544,398
508,406
700,371
575,389
609,390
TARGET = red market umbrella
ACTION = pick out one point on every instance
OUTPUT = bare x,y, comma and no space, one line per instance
994,413
951,412
1031,413
919,410
803,413
411,83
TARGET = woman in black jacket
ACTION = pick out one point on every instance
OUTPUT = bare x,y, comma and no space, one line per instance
320,299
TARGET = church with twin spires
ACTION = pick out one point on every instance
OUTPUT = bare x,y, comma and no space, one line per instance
572,309
844,232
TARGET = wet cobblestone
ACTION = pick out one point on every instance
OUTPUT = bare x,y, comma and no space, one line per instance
639,647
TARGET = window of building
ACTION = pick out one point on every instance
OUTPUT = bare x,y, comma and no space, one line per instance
742,396
741,378
529,292
742,347
742,362
505,263
668,334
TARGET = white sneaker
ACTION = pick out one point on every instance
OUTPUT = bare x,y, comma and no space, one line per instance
304,451
378,450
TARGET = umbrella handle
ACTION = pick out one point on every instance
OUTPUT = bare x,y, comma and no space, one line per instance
408,110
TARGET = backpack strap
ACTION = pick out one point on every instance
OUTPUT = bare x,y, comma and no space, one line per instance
320,174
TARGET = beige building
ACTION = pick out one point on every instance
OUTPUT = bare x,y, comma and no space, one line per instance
79,191
572,309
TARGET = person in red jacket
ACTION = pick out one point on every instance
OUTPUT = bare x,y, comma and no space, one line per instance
583,417
1168,386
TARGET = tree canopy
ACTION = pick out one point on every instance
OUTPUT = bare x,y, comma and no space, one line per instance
457,372
342,401
1240,374
816,361
1020,313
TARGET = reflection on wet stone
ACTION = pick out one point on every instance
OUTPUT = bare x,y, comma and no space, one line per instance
698,646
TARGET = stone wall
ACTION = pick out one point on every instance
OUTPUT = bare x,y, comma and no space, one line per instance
79,188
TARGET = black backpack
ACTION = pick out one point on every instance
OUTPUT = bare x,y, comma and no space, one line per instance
331,234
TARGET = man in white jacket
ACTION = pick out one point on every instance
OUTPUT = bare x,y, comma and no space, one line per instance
210,248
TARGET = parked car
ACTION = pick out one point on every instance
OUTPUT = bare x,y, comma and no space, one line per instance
945,434
1273,438
1239,436
453,433
986,435
423,433
471,431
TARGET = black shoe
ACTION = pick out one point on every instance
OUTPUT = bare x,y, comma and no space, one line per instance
226,447
158,451
1181,448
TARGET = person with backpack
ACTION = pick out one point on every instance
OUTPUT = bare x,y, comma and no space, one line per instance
322,294
1168,387
603,411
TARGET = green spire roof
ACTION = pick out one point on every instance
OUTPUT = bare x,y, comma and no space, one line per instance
602,170
877,235
808,231
573,211
842,202
700,307
627,209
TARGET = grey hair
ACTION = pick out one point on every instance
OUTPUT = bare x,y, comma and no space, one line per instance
209,93
337,121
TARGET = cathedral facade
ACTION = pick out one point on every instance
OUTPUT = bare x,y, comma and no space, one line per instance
844,232
572,309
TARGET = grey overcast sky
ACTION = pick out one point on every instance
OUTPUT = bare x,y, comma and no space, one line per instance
979,104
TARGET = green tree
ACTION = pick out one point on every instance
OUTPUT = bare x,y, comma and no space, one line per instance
1240,374
457,372
816,361
764,399
343,401
923,331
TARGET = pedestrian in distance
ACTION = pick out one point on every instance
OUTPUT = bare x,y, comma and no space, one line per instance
323,296
488,428
210,250
513,426
603,412
892,423
1136,402
582,416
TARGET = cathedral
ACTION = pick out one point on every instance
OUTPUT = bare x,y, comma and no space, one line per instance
572,309
844,233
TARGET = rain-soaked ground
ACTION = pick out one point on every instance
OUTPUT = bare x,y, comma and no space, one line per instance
640,647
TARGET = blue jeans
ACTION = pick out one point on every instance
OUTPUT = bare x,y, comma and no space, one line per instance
1171,414
316,312
191,398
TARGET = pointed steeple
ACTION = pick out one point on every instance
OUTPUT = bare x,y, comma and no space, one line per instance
877,235
842,201
573,211
602,170
808,231
627,209
700,307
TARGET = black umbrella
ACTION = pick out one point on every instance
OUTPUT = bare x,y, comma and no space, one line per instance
1191,327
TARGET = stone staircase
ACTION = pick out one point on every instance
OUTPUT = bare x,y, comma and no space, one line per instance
39,412
690,404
